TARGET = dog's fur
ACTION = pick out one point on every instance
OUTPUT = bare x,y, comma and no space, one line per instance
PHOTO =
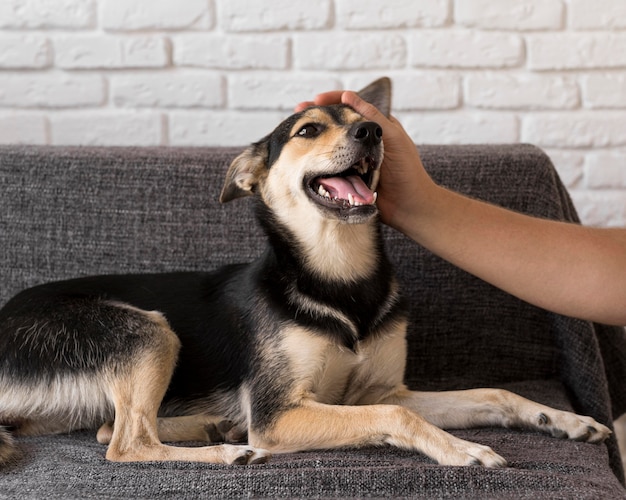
303,348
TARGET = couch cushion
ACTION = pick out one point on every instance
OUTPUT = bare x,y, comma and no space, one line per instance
67,212
73,467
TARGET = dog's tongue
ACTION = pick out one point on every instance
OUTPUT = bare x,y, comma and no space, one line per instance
340,187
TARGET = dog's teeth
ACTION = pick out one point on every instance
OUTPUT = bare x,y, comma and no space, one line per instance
321,191
350,199
375,197
364,167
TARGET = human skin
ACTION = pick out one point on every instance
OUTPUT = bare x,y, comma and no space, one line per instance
563,267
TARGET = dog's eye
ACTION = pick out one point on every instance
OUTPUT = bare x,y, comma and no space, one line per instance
309,130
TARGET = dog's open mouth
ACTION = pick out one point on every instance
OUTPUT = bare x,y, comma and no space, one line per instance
350,188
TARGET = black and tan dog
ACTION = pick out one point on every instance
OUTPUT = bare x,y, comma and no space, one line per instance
303,348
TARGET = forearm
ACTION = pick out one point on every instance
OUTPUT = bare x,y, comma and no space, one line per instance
566,268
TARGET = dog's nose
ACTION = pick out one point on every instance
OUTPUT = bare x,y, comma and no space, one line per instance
369,133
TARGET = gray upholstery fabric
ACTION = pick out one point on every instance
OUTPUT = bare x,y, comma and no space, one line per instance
69,212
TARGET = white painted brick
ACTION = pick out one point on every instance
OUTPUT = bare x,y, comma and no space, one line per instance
168,90
600,207
356,14
24,51
461,128
22,129
597,14
33,90
575,130
126,15
231,52
106,128
269,15
417,89
109,52
521,91
41,14
195,128
569,165
349,51
605,170
465,49
560,51
604,90
510,14
254,91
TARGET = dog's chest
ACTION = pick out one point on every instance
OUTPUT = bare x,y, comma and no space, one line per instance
333,374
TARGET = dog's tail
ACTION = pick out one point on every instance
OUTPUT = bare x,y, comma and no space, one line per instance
7,446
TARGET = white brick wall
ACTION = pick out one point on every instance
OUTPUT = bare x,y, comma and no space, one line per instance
224,72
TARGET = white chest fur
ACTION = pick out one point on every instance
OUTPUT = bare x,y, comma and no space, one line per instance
332,374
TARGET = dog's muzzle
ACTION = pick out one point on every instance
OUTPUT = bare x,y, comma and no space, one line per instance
351,191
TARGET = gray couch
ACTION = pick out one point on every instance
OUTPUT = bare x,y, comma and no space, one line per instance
68,212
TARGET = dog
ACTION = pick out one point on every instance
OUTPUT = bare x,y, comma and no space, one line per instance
301,349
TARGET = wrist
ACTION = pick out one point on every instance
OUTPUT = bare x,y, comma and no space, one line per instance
416,215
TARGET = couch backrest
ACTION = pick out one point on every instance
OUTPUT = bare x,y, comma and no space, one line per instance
67,212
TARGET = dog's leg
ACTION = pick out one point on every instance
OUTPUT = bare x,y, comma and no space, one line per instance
313,425
137,391
497,407
202,428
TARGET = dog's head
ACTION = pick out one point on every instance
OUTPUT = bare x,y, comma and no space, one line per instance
327,157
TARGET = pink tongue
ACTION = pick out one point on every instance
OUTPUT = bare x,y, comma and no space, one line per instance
340,187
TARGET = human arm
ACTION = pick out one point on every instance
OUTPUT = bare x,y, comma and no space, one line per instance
570,269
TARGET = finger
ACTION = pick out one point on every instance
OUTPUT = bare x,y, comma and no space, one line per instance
362,107
326,98
303,105
323,99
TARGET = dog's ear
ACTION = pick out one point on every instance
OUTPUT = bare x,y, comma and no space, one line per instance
378,93
245,172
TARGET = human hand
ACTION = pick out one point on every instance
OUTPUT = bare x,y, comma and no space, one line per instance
404,188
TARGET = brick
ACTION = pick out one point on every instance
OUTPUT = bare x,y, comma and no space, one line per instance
560,51
32,90
597,14
600,207
231,52
356,14
110,52
510,14
22,129
220,128
106,128
417,89
569,165
465,49
461,128
515,91
125,15
168,90
605,170
604,90
575,130
24,52
42,14
349,51
270,15
266,91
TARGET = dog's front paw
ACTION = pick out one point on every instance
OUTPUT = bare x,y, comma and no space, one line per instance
567,425
244,455
468,453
